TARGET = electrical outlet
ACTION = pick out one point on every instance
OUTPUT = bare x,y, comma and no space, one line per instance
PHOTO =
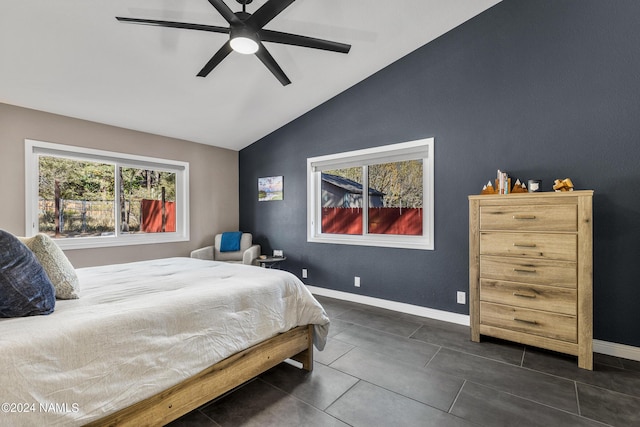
462,297
304,273
356,281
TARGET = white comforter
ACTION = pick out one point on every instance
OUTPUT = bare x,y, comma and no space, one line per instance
137,329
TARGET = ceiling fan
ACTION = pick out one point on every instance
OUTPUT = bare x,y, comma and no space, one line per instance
246,34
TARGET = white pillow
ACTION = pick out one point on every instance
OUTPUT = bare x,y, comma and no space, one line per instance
55,264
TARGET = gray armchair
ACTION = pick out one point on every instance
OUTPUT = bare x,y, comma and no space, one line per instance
248,253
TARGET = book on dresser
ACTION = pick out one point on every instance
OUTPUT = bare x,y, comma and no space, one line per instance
531,270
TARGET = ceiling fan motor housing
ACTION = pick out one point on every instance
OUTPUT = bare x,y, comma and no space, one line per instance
243,39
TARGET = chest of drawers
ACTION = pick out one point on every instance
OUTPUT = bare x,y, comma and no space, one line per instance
531,268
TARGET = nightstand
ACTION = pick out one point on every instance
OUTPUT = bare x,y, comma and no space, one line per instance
271,262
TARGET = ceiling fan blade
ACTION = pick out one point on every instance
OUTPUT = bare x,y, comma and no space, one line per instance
224,10
304,41
215,59
267,12
173,24
266,58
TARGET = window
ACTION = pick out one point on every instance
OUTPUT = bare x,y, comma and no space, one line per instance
86,198
380,196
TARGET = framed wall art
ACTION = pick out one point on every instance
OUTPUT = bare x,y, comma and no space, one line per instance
270,188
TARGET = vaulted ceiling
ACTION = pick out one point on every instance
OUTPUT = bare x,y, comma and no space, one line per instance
73,58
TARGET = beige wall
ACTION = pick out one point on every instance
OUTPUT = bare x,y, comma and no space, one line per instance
213,178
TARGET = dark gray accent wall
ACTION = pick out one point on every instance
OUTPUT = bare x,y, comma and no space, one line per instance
543,89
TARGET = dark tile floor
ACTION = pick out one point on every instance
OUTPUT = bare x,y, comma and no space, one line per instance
382,368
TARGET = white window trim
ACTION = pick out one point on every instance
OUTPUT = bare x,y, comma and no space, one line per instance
412,150
34,148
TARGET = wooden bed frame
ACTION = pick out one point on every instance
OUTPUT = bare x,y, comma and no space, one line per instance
216,380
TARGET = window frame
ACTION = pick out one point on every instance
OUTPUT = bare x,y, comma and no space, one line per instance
33,149
412,150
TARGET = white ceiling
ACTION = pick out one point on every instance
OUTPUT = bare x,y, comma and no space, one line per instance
72,57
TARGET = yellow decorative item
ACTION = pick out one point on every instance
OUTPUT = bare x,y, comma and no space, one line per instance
563,185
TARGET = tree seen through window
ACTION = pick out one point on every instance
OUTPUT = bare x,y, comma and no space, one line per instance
78,198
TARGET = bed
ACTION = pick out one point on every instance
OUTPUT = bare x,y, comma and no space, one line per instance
149,341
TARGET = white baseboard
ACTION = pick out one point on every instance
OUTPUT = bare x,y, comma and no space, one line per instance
615,349
603,347
460,319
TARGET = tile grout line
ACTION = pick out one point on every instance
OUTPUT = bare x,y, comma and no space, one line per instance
340,397
498,390
420,326
401,395
340,357
304,402
387,317
207,417
432,357
575,385
455,399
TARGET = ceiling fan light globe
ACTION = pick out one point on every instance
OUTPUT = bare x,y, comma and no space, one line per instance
244,45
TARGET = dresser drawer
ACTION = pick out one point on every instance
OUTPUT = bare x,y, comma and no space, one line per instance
537,297
529,218
541,323
531,245
533,271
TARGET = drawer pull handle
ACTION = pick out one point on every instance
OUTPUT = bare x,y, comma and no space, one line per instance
524,217
520,294
525,245
524,270
530,322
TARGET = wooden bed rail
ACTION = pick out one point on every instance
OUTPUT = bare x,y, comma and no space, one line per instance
170,404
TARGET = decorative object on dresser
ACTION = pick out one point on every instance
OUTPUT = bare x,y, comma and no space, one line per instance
563,185
534,185
531,270
503,185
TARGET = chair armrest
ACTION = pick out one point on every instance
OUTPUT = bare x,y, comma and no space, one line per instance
203,253
250,255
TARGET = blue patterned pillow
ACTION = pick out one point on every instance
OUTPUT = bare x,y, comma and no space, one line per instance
25,288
